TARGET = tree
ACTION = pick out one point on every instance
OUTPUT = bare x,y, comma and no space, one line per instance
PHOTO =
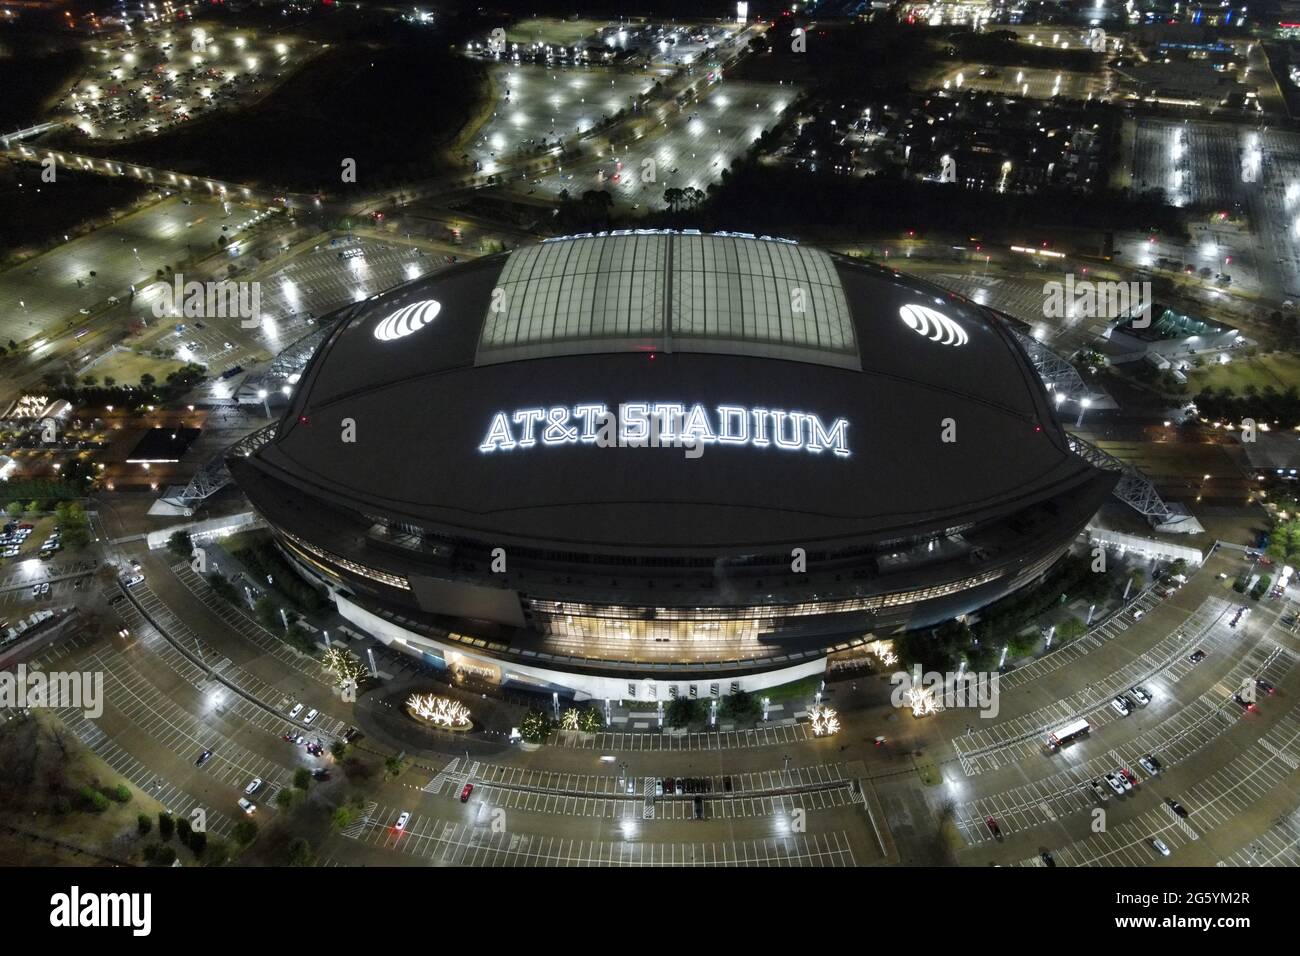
302,778
266,612
198,843
345,666
166,826
682,712
179,544
14,509
143,823
741,707
342,818
184,831
147,381
535,727
74,525
245,832
300,853
339,749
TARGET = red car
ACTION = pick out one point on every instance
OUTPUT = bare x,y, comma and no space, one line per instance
1128,775
465,792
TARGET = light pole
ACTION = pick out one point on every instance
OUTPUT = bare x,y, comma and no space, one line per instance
1083,407
266,405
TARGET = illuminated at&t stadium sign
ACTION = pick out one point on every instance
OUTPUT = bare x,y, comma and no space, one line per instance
665,424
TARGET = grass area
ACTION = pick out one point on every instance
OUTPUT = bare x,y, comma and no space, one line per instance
127,367
392,110
929,774
1280,370
34,218
33,78
44,769
552,31
801,691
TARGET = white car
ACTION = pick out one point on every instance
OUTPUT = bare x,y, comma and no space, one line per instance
1160,846
252,788
248,806
631,784
1120,706
1140,695
297,709
402,820
1137,615
311,715
133,580
1115,783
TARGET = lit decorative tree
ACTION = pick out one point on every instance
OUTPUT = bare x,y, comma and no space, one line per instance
884,651
569,719
824,721
345,666
441,711
534,727
922,701
589,721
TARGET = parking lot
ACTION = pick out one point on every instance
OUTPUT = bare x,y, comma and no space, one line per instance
157,77
1226,798
457,843
1022,737
768,735
268,707
1193,727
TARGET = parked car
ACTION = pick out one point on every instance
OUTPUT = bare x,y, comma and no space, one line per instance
295,711
1197,656
248,806
1160,846
311,715
1140,695
1150,764
1120,706
1175,806
993,827
203,758
402,820
253,786
465,792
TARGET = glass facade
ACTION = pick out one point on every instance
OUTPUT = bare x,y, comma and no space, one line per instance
673,292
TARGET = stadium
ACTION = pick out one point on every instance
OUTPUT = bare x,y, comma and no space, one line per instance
641,464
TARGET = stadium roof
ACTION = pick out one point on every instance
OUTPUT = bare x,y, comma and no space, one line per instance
408,368
653,289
